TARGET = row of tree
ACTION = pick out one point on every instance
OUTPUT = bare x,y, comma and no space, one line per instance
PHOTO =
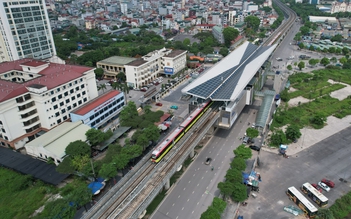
233,186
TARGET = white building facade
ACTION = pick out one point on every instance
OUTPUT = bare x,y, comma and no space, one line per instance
37,96
25,31
143,71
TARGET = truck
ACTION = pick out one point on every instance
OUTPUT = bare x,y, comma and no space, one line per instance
304,57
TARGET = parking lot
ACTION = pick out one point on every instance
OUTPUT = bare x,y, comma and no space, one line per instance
330,158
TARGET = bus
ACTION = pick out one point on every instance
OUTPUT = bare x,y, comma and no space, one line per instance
301,201
314,194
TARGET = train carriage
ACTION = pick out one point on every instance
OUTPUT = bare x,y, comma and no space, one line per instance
164,147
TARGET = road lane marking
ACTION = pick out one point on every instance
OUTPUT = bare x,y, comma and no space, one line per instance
184,188
202,178
194,174
178,196
167,213
173,204
192,212
197,203
189,181
193,192
188,200
198,184
182,208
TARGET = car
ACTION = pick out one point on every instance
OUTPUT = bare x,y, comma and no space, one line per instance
246,140
174,107
328,182
279,59
324,186
107,84
317,187
208,161
253,125
158,104
255,148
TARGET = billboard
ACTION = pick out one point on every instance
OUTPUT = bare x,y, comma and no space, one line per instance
168,70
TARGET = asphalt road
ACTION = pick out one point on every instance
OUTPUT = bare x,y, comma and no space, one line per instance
195,190
330,158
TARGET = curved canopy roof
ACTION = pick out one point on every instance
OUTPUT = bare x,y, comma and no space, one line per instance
226,79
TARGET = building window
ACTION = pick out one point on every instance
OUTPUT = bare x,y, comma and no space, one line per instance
64,118
74,105
62,103
78,95
80,102
69,108
73,98
71,91
55,107
53,99
77,88
57,114
58,121
67,101
82,86
83,93
85,99
63,110
66,93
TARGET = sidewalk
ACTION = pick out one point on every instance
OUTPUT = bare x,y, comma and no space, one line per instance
311,136
230,211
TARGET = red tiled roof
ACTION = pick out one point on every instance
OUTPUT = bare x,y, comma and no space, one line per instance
34,63
52,76
95,103
163,118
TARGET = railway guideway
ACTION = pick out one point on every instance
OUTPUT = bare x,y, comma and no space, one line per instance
155,181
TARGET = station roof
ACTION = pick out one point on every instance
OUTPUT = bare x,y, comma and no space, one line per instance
226,79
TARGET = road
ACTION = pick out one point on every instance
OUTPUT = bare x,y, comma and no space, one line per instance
329,158
194,191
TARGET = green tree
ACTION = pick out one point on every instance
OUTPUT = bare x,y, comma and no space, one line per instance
345,51
121,161
313,62
240,192
132,151
219,204
59,208
325,213
66,166
78,148
186,42
252,132
289,67
285,95
152,132
96,136
229,34
243,152
121,76
99,72
278,138
292,132
80,161
325,61
318,120
108,170
304,30
301,65
234,175
226,188
128,115
333,59
343,60
223,51
337,38
210,213
238,163
252,22
81,195
102,87
331,49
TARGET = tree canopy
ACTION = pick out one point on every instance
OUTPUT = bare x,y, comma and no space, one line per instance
243,152
229,34
78,148
252,22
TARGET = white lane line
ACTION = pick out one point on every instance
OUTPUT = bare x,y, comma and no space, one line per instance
178,196
182,208
192,212
173,204
184,188
193,192
197,203
189,182
198,184
167,213
194,174
188,200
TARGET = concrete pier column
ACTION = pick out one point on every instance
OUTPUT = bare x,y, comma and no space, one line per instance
168,184
192,153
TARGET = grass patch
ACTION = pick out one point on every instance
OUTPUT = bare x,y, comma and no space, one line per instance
21,195
187,162
342,206
176,176
323,91
154,204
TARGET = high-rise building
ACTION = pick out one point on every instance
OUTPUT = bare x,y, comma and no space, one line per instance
25,30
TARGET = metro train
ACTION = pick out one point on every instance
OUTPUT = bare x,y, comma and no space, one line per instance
165,146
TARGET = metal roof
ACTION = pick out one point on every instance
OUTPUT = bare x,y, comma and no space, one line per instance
263,113
226,79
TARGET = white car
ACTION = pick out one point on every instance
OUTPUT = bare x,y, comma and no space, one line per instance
324,186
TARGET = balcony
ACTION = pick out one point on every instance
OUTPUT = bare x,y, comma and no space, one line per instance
31,122
26,106
29,114
28,130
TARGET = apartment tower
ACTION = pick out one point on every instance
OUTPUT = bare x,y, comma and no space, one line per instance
25,30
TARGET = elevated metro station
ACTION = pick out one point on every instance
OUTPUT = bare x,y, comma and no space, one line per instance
234,81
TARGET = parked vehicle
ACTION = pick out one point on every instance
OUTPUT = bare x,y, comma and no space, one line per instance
324,186
279,59
174,107
317,187
328,182
246,140
158,104
255,148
